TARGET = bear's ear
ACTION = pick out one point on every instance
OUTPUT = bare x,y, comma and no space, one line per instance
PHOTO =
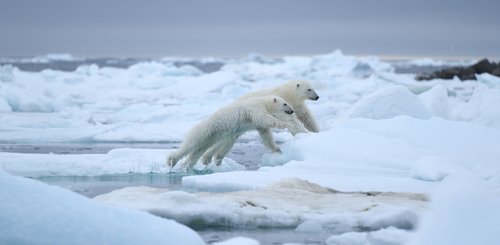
275,100
298,85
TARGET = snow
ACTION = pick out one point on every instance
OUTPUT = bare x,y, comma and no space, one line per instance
432,168
116,161
436,100
390,102
309,227
437,62
103,104
387,236
289,203
380,131
35,213
238,241
54,57
464,210
398,154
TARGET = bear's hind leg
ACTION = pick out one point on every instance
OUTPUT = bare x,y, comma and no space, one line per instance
175,156
224,149
193,158
207,157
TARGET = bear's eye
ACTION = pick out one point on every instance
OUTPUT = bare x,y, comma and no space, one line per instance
309,90
284,104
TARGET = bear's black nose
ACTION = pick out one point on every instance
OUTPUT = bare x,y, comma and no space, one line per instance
289,112
317,97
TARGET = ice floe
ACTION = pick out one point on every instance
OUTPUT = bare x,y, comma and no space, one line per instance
289,203
35,213
116,161
398,154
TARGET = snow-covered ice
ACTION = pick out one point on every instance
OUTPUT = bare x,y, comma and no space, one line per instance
163,101
464,210
398,154
35,213
386,236
289,203
116,161
380,131
238,241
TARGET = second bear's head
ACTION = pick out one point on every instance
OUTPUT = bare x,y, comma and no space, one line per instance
305,91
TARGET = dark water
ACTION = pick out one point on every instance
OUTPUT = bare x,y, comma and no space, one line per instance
92,186
71,65
247,153
27,64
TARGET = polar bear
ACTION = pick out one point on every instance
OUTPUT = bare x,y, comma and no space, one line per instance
220,149
260,113
295,93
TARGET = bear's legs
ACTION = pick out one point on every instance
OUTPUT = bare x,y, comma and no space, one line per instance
305,116
294,126
224,149
218,149
175,156
193,158
201,147
190,145
207,157
267,139
264,120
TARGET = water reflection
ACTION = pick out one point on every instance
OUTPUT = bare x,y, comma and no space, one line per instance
92,186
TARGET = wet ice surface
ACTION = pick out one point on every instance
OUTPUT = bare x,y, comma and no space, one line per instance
92,186
245,152
291,210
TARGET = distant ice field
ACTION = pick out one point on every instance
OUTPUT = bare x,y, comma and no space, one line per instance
381,132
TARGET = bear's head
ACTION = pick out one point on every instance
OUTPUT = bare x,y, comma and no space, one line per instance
280,105
305,91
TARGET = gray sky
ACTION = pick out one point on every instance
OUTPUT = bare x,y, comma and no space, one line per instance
235,28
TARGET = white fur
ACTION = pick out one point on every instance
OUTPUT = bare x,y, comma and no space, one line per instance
224,126
295,93
295,96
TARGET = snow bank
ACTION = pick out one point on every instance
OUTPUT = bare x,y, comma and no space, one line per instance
238,241
7,73
390,102
54,57
398,154
164,99
436,62
464,210
387,236
36,213
288,203
117,161
436,100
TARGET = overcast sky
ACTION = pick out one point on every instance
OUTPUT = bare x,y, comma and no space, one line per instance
236,28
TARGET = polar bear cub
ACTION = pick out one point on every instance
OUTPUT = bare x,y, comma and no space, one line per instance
260,113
